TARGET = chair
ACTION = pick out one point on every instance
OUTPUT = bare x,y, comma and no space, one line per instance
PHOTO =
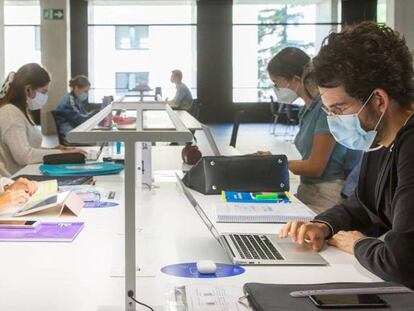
158,93
61,137
236,124
274,109
196,108
289,113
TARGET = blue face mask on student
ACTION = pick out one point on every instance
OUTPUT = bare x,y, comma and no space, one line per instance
347,130
83,96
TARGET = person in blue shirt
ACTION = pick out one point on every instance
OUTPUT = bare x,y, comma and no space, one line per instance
325,164
71,108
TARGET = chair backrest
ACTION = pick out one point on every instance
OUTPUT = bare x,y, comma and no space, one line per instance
292,113
55,115
236,124
274,106
196,108
158,91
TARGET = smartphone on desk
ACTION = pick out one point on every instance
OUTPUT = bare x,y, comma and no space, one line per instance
18,224
335,301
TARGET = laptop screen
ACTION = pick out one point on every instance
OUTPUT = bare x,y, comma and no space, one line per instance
200,212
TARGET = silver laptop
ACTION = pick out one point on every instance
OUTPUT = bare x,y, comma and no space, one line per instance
257,249
94,156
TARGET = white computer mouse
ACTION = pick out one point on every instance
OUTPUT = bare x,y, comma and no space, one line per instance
206,267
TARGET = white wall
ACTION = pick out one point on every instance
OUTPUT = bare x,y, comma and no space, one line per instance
400,18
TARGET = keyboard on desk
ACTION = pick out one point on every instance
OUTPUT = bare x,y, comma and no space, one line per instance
255,247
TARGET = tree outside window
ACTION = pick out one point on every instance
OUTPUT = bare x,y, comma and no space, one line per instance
273,37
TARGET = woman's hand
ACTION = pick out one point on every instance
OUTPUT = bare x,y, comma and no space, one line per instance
345,240
11,198
24,184
299,231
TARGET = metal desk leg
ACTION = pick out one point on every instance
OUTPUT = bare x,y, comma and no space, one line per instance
129,193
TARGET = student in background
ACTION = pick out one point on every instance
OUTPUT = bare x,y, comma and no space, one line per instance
365,74
20,140
183,99
71,107
322,168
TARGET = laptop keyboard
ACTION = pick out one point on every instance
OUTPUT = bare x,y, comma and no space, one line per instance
255,247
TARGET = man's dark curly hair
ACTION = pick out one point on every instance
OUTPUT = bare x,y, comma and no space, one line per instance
364,57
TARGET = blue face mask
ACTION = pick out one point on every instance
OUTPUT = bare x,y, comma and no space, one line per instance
83,96
347,130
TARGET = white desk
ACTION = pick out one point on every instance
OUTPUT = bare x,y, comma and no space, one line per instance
78,276
189,121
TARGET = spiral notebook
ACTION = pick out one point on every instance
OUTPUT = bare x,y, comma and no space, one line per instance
263,212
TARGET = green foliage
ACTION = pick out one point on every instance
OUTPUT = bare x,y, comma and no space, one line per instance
266,28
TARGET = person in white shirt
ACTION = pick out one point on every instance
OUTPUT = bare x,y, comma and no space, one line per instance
20,139
183,99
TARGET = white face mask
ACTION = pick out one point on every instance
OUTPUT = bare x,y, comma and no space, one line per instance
83,96
285,95
38,102
347,130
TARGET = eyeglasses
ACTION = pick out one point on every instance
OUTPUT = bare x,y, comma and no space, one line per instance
329,113
336,111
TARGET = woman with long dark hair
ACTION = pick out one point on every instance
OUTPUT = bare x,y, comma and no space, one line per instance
72,107
20,139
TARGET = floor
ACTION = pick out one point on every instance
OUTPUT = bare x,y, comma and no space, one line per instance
251,138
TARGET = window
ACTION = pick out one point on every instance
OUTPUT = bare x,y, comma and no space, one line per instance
131,37
22,33
261,28
141,40
37,38
382,11
127,81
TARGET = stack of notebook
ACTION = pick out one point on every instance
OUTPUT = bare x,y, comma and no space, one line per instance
44,232
249,207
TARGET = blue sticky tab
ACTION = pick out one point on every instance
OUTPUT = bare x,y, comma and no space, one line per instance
189,270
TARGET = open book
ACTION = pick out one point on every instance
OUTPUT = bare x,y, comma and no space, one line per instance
48,200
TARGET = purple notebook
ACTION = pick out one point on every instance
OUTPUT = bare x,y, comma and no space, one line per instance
48,232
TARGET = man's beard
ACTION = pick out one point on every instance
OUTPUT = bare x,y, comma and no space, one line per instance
373,119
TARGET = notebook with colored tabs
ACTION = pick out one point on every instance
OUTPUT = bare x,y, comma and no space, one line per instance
45,232
244,210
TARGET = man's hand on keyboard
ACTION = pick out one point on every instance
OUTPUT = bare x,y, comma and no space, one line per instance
314,233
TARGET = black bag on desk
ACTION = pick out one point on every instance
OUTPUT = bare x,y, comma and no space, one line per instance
65,158
276,297
211,175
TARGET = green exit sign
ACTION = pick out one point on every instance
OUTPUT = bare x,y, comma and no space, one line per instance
53,14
